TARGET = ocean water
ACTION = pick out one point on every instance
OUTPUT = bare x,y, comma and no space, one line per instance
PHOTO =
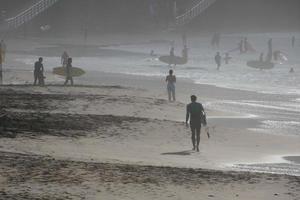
279,116
278,113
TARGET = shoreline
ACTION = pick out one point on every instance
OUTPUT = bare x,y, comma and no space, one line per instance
86,96
116,136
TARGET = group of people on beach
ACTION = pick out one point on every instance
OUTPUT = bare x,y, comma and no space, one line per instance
245,47
38,72
195,113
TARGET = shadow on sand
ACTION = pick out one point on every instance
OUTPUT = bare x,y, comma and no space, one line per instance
179,153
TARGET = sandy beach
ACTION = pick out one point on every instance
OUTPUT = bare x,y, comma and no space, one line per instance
115,136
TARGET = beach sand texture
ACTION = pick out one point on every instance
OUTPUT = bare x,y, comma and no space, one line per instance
115,136
113,142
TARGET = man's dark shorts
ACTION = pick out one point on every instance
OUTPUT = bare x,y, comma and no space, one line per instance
195,126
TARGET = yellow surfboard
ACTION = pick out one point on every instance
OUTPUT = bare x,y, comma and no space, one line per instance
75,71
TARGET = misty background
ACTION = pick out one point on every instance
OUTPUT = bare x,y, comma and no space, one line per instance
133,16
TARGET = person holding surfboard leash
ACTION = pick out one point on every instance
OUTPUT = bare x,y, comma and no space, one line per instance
195,114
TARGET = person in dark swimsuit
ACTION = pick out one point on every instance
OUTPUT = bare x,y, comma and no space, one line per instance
195,113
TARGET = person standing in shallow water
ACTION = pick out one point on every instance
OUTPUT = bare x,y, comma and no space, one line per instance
39,72
68,72
172,56
195,113
171,80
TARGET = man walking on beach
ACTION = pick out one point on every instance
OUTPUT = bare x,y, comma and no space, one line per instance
195,113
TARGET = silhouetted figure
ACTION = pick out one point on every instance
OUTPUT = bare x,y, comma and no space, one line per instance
261,57
270,50
69,72
292,70
185,52
293,41
195,113
218,59
64,58
39,72
152,53
172,55
171,80
3,50
227,58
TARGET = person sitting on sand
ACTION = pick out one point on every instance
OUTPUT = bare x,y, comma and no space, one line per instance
39,72
171,80
68,72
292,70
195,113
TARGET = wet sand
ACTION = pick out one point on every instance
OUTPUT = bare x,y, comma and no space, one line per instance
115,142
116,136
50,178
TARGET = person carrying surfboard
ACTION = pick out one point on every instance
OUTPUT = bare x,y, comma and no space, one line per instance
69,72
196,115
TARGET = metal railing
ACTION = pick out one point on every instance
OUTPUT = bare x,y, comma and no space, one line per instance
197,7
29,14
